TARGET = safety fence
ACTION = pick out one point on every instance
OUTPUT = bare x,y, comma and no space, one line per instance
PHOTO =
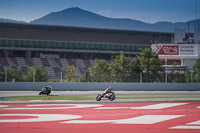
31,86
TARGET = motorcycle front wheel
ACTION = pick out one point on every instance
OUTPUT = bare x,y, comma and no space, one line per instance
112,98
98,98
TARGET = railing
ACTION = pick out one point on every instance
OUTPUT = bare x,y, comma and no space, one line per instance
71,45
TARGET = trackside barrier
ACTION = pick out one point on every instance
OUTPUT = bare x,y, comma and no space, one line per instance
32,86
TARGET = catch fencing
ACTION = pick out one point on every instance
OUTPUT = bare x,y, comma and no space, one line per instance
33,86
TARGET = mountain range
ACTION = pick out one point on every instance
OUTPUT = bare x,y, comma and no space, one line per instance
78,17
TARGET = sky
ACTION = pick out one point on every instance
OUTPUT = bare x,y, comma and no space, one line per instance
150,11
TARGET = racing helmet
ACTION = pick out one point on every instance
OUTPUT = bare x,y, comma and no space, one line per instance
110,88
49,86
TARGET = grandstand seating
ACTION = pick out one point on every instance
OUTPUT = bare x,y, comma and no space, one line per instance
45,62
12,61
71,62
58,61
64,62
37,62
87,63
21,62
56,71
24,69
52,66
28,61
4,62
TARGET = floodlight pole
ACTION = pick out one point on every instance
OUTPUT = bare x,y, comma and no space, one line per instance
33,75
6,76
61,77
191,77
140,77
165,77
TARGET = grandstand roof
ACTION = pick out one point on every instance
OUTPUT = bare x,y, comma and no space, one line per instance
78,34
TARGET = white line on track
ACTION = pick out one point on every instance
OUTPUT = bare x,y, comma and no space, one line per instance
64,106
154,106
185,127
40,117
2,106
145,119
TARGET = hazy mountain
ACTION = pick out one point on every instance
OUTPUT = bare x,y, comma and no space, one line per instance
11,21
81,18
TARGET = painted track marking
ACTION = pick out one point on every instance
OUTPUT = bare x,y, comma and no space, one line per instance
2,106
41,117
154,106
191,125
69,106
149,117
145,119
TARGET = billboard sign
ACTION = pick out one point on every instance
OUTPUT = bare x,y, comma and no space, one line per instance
167,49
188,49
175,49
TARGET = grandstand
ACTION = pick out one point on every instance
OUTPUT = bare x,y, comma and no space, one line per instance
55,47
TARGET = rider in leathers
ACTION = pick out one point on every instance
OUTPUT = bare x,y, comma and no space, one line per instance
108,90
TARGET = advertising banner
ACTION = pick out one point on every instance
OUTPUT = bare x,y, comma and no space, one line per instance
188,49
176,49
166,49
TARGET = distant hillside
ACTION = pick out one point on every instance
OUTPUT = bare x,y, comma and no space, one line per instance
81,18
11,21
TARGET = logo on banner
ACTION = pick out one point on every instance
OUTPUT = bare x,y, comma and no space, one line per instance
188,49
167,49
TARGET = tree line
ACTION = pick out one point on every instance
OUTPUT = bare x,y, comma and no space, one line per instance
145,67
34,74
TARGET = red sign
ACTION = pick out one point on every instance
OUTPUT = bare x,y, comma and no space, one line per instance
167,50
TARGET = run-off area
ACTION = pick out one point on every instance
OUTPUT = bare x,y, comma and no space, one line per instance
155,117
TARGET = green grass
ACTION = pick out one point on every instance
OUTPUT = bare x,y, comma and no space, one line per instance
79,98
152,97
51,98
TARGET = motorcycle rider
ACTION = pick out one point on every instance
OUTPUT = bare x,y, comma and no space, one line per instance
108,90
48,89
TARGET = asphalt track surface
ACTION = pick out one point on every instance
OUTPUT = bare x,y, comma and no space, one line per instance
118,93
143,117
193,95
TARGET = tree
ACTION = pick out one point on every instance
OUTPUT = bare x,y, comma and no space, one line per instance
196,69
85,77
14,74
135,70
187,76
120,68
2,76
70,74
99,71
37,74
9,72
175,76
19,76
150,65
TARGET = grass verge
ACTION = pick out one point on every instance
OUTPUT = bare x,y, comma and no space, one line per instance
78,98
51,98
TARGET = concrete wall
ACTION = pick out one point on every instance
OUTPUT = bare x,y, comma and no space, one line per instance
189,63
29,86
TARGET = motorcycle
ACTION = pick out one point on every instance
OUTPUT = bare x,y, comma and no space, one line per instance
44,91
110,96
